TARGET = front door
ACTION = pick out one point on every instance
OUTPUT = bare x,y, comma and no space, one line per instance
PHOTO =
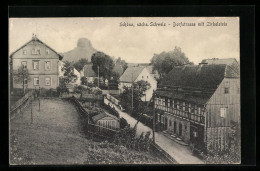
174,127
180,129
166,123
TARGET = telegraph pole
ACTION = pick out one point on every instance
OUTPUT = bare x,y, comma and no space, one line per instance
132,94
98,76
39,100
31,113
153,118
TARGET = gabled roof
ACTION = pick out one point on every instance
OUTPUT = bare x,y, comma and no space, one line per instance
227,61
101,116
88,71
37,40
131,74
192,79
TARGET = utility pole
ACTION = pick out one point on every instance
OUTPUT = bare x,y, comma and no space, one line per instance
98,76
31,113
153,118
39,99
132,94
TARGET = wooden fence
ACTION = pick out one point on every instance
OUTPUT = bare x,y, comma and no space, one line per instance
21,104
93,129
218,139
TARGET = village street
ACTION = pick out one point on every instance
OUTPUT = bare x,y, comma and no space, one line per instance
55,137
180,153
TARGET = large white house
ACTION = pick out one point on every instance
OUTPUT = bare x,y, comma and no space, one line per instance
134,74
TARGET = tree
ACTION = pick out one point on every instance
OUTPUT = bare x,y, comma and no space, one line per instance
114,81
21,76
68,77
139,89
165,61
80,64
122,63
104,63
84,81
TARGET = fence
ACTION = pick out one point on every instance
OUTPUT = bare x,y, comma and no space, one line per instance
21,104
93,129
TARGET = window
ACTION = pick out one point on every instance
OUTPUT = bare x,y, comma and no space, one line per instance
147,76
199,110
36,51
226,90
192,108
24,52
47,65
223,112
47,81
175,104
171,101
238,90
36,65
142,77
183,106
24,63
47,51
25,81
36,81
170,122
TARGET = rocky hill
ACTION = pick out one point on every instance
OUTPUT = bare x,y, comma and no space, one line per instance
84,49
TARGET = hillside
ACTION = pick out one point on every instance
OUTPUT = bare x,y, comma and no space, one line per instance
84,49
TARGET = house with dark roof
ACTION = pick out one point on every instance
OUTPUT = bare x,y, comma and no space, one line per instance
199,103
40,60
89,73
134,74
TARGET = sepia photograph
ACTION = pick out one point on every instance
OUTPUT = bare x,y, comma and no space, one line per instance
124,90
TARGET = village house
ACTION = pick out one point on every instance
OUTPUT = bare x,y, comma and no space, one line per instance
134,74
198,103
88,73
41,62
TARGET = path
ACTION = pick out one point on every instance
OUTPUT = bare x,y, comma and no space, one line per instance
180,153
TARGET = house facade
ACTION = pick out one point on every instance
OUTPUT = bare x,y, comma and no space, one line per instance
199,103
134,74
41,62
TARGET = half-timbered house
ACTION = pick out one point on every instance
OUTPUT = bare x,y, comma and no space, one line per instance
198,103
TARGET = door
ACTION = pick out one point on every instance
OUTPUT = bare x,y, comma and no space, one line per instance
166,123
174,127
180,129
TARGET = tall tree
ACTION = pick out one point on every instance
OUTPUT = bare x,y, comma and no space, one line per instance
122,63
21,76
104,63
139,89
165,61
80,64
67,78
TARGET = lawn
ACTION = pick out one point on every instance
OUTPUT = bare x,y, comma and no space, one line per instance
57,136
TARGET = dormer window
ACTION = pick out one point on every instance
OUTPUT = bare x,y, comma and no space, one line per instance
24,52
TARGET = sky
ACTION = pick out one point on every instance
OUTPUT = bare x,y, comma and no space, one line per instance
135,44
